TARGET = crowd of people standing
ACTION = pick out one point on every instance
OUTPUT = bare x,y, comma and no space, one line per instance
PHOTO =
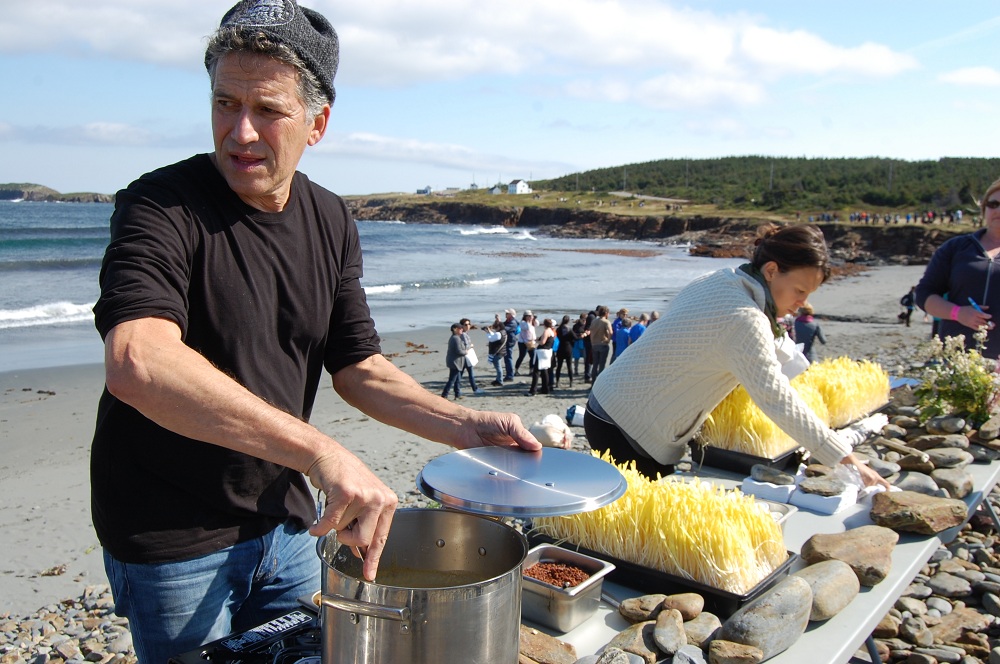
547,351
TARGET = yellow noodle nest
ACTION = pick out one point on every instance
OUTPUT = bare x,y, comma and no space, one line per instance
690,529
839,391
851,389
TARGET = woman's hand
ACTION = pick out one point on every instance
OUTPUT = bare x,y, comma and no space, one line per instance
868,476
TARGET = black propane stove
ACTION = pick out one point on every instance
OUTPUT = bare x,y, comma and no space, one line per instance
294,638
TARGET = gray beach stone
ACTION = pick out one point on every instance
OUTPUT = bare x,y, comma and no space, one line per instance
638,639
956,481
919,482
990,430
822,486
949,457
834,585
868,550
820,470
669,631
689,604
764,473
991,603
727,652
949,585
919,463
944,424
915,631
915,512
688,654
701,629
934,656
611,656
929,442
774,621
884,468
911,605
941,605
641,609
887,627
982,454
541,647
893,430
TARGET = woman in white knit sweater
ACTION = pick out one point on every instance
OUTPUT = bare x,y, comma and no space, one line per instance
719,332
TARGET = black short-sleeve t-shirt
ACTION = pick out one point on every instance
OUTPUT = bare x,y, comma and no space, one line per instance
270,299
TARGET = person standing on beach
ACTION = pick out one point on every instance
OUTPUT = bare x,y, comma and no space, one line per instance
564,355
908,301
638,329
458,348
230,282
616,325
466,326
622,335
600,341
581,347
511,327
525,340
808,332
496,338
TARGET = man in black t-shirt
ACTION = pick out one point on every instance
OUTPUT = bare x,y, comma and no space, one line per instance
230,283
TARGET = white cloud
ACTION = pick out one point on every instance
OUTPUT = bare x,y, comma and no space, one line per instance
398,42
108,134
169,32
444,155
972,76
799,51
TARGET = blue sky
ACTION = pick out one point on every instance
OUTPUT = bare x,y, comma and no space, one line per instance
450,92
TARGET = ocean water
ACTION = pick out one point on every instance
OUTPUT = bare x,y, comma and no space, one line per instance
416,276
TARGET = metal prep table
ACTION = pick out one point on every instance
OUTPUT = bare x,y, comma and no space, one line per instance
834,641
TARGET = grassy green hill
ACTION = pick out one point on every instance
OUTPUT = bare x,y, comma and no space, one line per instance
788,184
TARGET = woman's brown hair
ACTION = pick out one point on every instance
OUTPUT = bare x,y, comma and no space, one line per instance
792,247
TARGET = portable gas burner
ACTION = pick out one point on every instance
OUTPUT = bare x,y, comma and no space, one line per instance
294,638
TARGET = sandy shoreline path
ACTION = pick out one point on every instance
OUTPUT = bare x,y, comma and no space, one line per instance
47,419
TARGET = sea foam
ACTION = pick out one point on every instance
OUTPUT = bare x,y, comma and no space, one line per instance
51,313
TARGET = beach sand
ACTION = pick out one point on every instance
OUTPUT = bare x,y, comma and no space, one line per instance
47,418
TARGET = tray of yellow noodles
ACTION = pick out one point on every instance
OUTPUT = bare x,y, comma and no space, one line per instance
679,535
737,434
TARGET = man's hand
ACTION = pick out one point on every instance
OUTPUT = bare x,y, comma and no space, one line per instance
359,507
492,429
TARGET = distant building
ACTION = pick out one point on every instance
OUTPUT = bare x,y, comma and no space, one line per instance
473,187
496,189
425,190
518,187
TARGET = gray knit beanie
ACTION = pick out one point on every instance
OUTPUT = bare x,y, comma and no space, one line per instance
305,31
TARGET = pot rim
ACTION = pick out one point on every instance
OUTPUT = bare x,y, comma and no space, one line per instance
519,537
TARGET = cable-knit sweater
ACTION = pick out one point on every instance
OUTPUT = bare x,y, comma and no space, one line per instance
712,337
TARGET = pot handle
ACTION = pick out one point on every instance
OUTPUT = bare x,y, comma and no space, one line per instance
341,603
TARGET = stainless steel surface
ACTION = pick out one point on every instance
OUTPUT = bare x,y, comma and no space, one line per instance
780,511
562,609
499,481
475,620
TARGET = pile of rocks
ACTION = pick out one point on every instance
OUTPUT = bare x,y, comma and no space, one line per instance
78,630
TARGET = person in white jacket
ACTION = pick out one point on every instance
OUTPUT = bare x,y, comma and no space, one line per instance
720,331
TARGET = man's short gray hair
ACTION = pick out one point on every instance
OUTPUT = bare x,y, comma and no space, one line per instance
228,40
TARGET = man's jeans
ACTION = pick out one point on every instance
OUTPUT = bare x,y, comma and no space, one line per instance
175,607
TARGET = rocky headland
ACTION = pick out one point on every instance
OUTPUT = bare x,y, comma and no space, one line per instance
38,193
717,236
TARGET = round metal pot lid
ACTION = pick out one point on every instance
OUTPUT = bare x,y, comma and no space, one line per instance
500,481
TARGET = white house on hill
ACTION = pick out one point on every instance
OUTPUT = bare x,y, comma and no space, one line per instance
519,187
